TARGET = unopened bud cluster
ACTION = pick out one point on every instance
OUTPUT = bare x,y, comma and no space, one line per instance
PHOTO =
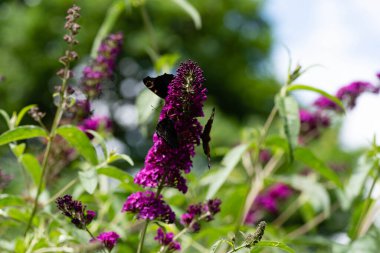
72,30
36,114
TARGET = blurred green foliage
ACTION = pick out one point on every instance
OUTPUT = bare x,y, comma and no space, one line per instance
232,46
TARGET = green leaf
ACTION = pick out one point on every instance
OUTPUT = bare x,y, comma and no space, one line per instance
22,112
89,180
323,93
115,157
358,213
10,200
112,15
189,9
21,133
115,173
79,140
305,156
229,162
166,62
32,166
6,117
288,109
279,245
18,149
101,142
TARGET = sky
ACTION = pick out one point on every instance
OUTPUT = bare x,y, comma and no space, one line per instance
340,37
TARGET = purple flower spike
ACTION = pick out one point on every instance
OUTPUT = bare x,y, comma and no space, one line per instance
197,212
103,66
75,210
183,105
166,239
351,92
147,206
109,239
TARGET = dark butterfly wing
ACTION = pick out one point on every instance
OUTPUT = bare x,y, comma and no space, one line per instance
206,137
159,85
165,129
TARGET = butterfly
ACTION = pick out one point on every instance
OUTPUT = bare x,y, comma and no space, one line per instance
159,85
205,136
165,129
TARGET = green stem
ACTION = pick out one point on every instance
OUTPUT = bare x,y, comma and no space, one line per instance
253,190
143,231
112,15
367,203
57,119
149,27
94,238
142,239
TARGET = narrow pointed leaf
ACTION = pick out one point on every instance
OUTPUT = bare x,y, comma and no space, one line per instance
89,180
124,157
22,133
189,9
322,92
305,156
79,140
115,173
22,113
33,167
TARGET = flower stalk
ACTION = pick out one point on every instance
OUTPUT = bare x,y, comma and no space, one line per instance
65,74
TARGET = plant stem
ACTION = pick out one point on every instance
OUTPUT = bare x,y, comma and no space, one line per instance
143,231
312,223
57,119
94,238
367,204
142,239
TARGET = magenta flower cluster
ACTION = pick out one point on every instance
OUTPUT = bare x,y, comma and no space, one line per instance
314,121
201,211
108,239
268,202
166,239
75,210
164,164
94,75
103,66
148,206
96,123
347,94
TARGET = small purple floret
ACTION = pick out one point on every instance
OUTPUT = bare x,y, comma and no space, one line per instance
109,239
166,239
